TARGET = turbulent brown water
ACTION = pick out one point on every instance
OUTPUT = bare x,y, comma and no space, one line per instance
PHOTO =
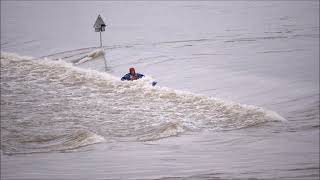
237,94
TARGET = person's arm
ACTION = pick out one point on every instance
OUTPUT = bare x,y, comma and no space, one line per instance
125,77
140,75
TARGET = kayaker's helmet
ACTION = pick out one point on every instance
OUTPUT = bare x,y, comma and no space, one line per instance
132,71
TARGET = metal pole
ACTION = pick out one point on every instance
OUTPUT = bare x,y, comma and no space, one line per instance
100,40
105,61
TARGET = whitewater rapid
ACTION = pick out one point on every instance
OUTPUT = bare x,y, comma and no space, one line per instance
55,106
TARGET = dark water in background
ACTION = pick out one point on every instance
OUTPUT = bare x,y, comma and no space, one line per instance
66,121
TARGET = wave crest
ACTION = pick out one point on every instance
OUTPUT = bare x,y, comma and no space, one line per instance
56,141
55,93
163,131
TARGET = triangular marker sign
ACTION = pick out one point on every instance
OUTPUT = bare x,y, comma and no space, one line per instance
98,22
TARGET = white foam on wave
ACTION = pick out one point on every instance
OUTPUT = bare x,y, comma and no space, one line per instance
90,56
14,56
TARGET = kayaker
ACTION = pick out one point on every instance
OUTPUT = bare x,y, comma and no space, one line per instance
132,75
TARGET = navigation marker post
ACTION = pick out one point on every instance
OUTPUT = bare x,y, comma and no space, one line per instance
99,26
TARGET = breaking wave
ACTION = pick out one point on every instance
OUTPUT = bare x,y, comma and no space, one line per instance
54,106
34,142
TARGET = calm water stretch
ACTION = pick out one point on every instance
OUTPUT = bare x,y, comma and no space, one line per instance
237,94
